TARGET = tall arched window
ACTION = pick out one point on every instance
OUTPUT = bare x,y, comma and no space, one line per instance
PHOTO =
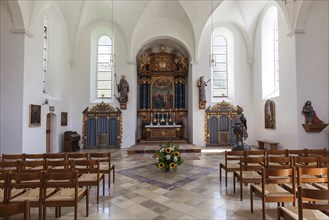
270,54
222,71
45,55
104,68
219,70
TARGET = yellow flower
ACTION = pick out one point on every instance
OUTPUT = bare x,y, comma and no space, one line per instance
161,165
176,154
173,165
167,150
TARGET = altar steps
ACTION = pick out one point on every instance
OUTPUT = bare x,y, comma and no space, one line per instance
151,147
178,141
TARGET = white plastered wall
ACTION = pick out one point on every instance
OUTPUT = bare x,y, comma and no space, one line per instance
11,84
286,109
58,79
312,73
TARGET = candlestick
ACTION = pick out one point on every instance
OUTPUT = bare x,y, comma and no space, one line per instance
151,119
167,119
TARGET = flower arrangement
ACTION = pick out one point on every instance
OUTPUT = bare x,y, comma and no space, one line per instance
168,157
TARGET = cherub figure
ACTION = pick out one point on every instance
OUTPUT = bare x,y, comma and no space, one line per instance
144,60
183,63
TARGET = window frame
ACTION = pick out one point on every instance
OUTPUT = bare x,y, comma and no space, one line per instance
106,55
45,55
217,63
270,54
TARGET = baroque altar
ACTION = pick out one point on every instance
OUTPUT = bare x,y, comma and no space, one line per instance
162,112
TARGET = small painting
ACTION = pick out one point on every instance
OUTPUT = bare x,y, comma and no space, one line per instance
35,115
269,112
63,118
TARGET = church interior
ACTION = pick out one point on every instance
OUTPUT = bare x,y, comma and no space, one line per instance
195,78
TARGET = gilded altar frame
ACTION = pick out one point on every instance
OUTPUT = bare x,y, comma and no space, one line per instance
223,134
108,112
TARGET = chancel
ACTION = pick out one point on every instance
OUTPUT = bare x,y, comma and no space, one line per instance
126,77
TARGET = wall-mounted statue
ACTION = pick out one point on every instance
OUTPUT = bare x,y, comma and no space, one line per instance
310,114
312,122
123,89
202,92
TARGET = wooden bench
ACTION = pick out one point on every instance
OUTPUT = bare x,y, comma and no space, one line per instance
273,145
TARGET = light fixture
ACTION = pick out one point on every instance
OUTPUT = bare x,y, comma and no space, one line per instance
112,57
212,56
286,1
46,102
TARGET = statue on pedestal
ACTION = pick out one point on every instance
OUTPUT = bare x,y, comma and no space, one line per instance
240,130
202,92
123,89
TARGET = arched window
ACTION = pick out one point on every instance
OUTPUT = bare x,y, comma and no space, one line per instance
219,69
45,55
222,71
104,67
270,54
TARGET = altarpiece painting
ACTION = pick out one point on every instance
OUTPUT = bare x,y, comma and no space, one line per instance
162,93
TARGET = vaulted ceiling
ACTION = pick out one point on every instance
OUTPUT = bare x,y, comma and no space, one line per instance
175,18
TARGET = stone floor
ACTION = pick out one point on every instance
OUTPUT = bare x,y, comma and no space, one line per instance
142,191
152,147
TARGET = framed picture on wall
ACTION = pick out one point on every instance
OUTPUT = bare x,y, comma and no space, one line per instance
35,115
269,112
63,118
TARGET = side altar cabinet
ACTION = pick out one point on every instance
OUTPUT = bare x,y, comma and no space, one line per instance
102,127
220,120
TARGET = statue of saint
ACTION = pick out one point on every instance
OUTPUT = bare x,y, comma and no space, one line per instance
240,127
310,114
202,89
123,89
